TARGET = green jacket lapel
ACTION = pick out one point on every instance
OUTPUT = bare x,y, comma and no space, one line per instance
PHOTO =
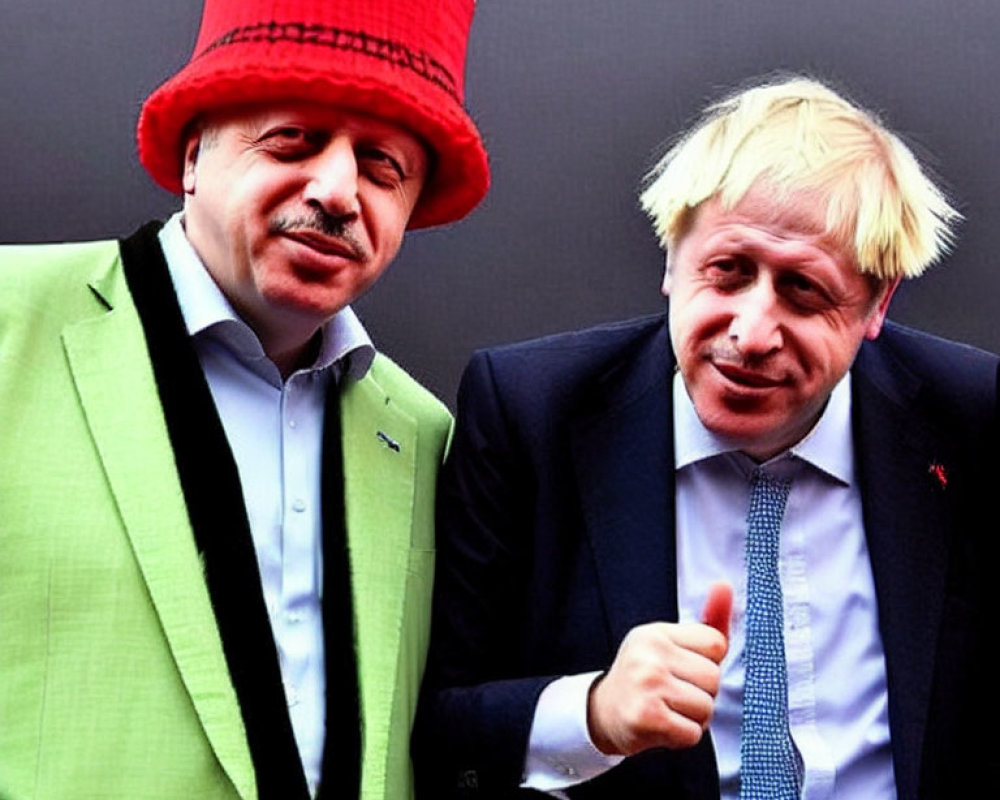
112,373
380,446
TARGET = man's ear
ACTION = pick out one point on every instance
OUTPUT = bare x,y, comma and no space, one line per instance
880,309
667,277
191,148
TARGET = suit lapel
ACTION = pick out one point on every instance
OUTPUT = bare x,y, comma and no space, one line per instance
906,505
379,449
111,369
623,456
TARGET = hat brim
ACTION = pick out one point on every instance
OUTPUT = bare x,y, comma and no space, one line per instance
460,176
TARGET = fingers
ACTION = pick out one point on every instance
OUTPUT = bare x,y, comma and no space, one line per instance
718,607
705,640
694,662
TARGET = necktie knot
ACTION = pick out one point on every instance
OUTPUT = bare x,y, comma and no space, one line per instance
768,497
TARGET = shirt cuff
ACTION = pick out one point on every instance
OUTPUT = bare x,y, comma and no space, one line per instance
560,752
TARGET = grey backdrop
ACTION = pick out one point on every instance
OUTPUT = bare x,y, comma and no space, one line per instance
574,98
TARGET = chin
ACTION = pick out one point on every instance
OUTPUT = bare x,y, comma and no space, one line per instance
744,430
307,296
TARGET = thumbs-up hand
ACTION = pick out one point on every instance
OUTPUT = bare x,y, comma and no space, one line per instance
660,691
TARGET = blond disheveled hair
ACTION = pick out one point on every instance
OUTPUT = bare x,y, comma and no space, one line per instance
796,135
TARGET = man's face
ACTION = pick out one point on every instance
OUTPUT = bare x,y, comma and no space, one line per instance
766,316
296,209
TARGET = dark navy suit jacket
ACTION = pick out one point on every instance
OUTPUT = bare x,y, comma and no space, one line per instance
556,537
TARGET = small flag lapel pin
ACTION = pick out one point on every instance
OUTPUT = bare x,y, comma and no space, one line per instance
940,474
387,440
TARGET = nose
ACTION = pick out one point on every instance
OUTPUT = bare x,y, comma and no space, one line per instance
755,328
333,179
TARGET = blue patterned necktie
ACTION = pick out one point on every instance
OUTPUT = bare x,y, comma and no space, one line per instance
767,757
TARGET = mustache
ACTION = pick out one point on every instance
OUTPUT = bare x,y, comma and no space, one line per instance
723,352
327,225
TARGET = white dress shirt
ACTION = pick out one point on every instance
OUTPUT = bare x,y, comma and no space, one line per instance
838,703
274,429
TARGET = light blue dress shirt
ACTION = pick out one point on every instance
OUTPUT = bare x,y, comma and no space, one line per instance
274,429
838,703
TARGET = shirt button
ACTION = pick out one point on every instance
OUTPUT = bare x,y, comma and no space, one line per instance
294,617
299,504
291,423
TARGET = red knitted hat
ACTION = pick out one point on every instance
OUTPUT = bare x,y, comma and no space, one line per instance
401,60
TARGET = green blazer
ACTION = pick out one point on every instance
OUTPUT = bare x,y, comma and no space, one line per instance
113,681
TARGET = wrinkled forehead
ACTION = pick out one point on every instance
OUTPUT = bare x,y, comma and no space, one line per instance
260,115
799,212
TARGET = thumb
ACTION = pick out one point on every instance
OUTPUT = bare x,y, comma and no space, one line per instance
718,607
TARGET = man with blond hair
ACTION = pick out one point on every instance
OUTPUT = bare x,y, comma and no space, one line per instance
758,517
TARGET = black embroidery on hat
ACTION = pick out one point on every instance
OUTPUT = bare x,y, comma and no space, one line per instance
417,61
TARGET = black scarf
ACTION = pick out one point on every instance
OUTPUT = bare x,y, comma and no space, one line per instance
214,499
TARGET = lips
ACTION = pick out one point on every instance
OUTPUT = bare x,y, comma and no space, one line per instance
326,245
746,378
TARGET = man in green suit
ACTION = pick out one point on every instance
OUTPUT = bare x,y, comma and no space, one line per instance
216,498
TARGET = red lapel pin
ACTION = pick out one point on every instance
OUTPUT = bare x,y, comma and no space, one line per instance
939,472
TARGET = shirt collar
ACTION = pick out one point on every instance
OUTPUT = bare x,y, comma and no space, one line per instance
829,446
207,312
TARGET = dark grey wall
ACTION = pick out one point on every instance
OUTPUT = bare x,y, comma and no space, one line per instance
573,97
